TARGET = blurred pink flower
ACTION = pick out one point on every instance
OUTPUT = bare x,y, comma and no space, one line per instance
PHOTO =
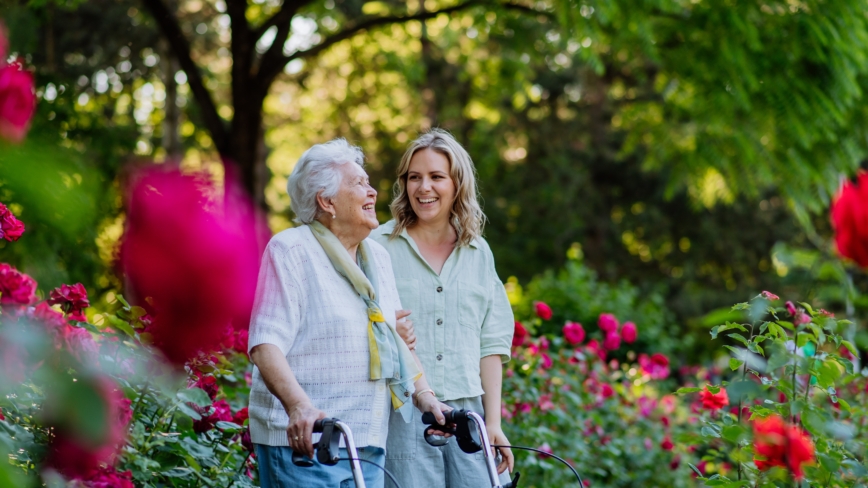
240,416
11,228
595,348
629,332
80,454
657,366
770,296
546,449
667,444
547,362
15,286
72,300
17,102
542,310
2,417
574,333
519,334
196,258
606,390
106,477
204,382
612,341
607,322
545,403
790,308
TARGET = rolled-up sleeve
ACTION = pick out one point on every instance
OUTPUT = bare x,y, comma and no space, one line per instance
276,314
499,323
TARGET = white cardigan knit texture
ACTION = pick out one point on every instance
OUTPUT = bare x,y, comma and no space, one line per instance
305,308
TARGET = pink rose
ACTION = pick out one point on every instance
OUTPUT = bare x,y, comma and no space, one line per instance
628,332
546,361
10,227
606,390
519,334
545,403
607,322
222,413
612,341
542,310
657,366
545,448
15,286
770,296
574,333
791,308
667,444
17,102
240,416
72,300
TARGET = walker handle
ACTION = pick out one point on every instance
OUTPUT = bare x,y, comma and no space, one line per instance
322,448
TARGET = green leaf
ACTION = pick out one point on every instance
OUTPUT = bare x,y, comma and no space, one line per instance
734,363
196,396
850,347
686,390
738,337
733,433
829,463
187,409
814,422
707,431
696,470
741,306
742,390
844,405
230,427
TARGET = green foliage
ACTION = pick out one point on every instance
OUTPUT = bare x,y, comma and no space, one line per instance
795,364
575,294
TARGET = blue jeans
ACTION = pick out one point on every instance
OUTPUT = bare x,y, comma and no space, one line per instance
277,471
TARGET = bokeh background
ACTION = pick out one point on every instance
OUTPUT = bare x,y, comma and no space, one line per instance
658,159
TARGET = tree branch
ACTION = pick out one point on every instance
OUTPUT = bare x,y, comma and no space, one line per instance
271,69
181,47
283,16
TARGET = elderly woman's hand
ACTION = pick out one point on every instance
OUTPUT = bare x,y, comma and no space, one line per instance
300,431
405,328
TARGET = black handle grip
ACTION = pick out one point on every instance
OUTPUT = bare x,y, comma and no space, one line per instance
317,426
428,418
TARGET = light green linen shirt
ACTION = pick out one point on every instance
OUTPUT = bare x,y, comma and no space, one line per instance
460,316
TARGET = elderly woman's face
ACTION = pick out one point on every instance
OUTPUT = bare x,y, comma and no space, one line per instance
430,186
355,200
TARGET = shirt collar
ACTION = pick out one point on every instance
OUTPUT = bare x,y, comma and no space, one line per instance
388,227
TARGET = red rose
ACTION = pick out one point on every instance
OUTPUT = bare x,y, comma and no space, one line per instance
606,390
197,259
15,286
595,348
1,415
546,361
612,341
714,401
206,383
778,444
17,102
667,444
542,310
519,334
629,332
676,461
607,322
72,299
574,333
10,227
240,416
546,450
241,340
221,413
850,220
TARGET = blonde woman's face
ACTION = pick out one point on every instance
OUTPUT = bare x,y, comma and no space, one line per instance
430,186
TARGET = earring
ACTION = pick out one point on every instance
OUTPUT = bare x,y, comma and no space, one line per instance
335,215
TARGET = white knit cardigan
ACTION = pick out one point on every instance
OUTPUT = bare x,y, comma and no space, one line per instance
304,307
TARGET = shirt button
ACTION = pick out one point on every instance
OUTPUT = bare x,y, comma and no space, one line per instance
439,357
439,289
439,321
406,393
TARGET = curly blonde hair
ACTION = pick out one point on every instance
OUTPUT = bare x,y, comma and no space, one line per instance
467,217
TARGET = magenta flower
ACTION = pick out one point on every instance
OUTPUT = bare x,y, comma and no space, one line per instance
542,310
10,227
629,332
574,333
612,341
607,322
72,300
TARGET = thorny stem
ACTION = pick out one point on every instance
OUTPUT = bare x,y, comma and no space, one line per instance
142,393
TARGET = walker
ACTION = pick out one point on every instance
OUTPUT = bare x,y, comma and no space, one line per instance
328,448
469,429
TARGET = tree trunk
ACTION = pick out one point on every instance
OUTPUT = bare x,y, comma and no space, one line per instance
172,119
247,150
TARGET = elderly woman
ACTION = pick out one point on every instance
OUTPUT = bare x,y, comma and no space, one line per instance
463,322
323,330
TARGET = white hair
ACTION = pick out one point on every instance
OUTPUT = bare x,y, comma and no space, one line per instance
317,171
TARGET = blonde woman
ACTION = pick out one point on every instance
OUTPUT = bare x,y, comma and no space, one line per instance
462,322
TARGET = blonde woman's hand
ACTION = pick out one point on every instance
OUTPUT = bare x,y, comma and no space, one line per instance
496,436
405,328
427,402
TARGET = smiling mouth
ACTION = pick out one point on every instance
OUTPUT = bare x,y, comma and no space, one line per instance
427,200
369,206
